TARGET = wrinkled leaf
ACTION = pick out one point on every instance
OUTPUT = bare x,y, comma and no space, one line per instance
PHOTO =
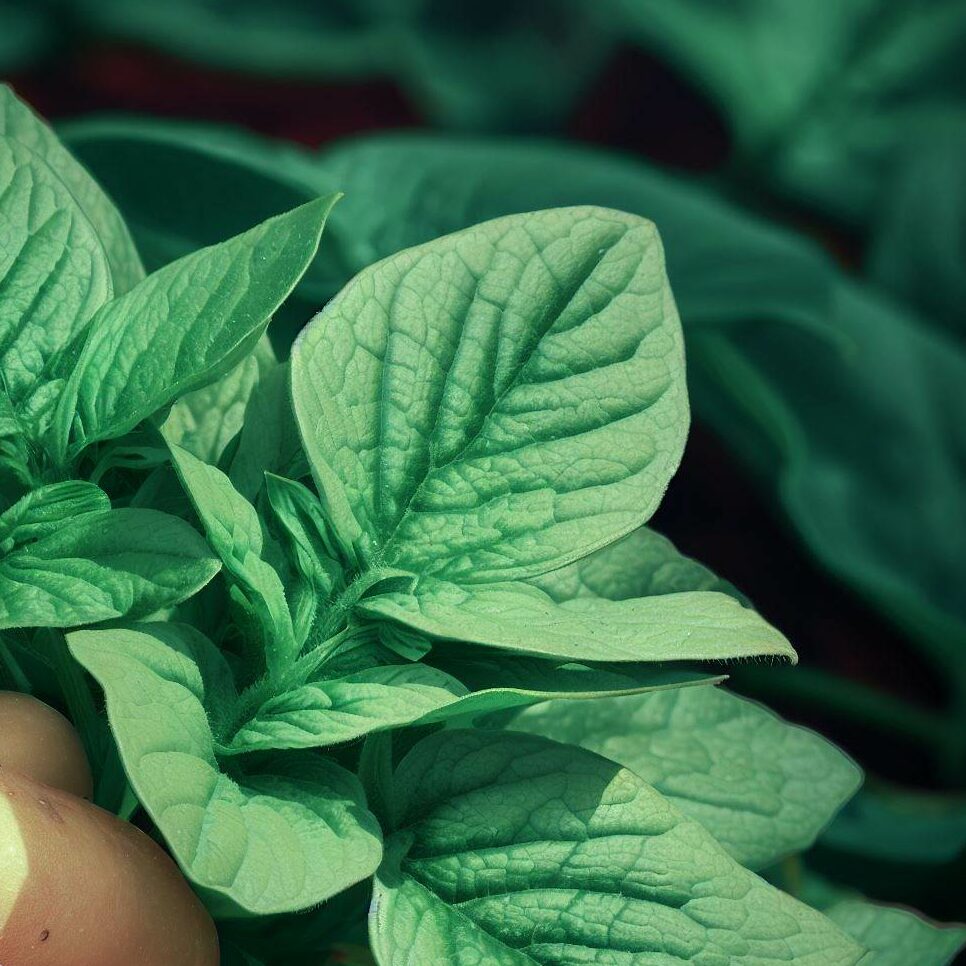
500,401
515,850
695,626
283,836
763,788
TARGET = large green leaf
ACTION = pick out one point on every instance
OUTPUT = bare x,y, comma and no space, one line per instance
184,326
64,253
514,850
761,787
690,626
500,401
897,937
284,835
103,565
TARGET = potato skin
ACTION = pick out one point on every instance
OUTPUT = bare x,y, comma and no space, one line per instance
86,889
39,742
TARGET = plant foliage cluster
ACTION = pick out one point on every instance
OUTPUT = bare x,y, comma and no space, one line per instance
369,626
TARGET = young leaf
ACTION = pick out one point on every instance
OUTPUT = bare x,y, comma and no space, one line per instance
103,565
761,787
283,836
897,937
498,402
514,850
65,253
333,711
695,626
235,533
184,326
205,421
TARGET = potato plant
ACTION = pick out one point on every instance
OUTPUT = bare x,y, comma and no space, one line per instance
376,639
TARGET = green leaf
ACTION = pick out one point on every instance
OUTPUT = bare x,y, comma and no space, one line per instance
47,509
642,564
269,440
897,937
285,835
726,266
235,533
696,626
65,253
887,526
103,565
184,326
205,421
514,850
500,401
763,788
336,710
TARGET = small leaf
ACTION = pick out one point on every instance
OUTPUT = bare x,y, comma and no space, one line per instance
510,849
184,326
101,566
498,402
269,440
695,626
763,788
897,937
205,421
281,837
235,533
330,712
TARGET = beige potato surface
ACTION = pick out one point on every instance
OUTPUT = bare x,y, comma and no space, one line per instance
80,887
39,742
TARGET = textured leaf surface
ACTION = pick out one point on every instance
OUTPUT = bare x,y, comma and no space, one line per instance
500,401
47,509
701,625
515,850
761,787
235,533
64,252
185,325
642,564
275,840
103,565
205,421
330,712
896,937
